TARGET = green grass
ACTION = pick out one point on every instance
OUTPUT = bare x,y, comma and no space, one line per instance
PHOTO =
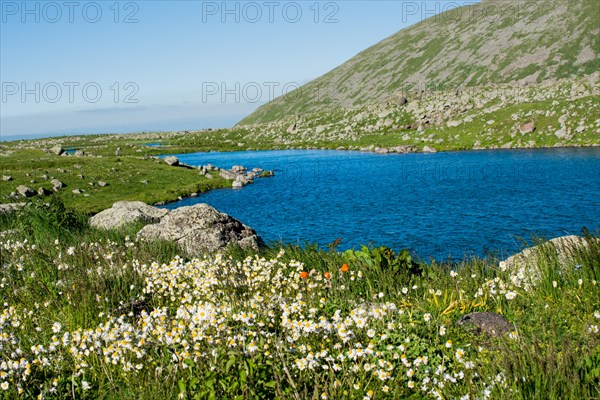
128,177
98,314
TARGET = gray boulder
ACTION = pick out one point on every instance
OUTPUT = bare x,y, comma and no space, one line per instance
292,128
126,212
527,128
564,249
172,161
488,323
228,175
25,191
57,150
201,228
56,185
404,149
43,191
10,208
7,178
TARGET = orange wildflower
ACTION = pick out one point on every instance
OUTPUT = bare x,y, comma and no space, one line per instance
327,275
345,268
303,274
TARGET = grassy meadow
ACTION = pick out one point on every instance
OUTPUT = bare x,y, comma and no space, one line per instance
89,314
128,177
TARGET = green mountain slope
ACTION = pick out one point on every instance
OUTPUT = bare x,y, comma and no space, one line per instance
491,42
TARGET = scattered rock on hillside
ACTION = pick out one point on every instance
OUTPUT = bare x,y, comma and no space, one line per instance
79,153
527,128
292,128
7,178
201,228
57,150
10,208
25,191
561,134
43,192
56,185
172,161
488,323
126,212
428,149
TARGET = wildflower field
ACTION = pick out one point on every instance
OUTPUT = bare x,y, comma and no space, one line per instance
89,314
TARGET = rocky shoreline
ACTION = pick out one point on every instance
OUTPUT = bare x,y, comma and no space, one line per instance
239,176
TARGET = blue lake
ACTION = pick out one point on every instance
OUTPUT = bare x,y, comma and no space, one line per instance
443,205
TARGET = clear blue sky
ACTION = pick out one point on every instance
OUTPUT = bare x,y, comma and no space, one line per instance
108,66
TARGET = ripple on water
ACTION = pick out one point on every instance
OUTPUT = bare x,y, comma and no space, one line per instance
440,205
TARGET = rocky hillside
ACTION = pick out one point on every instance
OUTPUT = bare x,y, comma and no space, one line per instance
550,114
491,42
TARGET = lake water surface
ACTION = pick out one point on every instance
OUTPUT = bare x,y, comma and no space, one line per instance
439,205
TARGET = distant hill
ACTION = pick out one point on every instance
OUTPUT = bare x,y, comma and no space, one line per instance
491,42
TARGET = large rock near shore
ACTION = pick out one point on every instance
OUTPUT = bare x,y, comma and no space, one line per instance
564,249
172,161
201,228
57,150
126,212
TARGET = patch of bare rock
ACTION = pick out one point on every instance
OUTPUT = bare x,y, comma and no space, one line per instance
126,212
